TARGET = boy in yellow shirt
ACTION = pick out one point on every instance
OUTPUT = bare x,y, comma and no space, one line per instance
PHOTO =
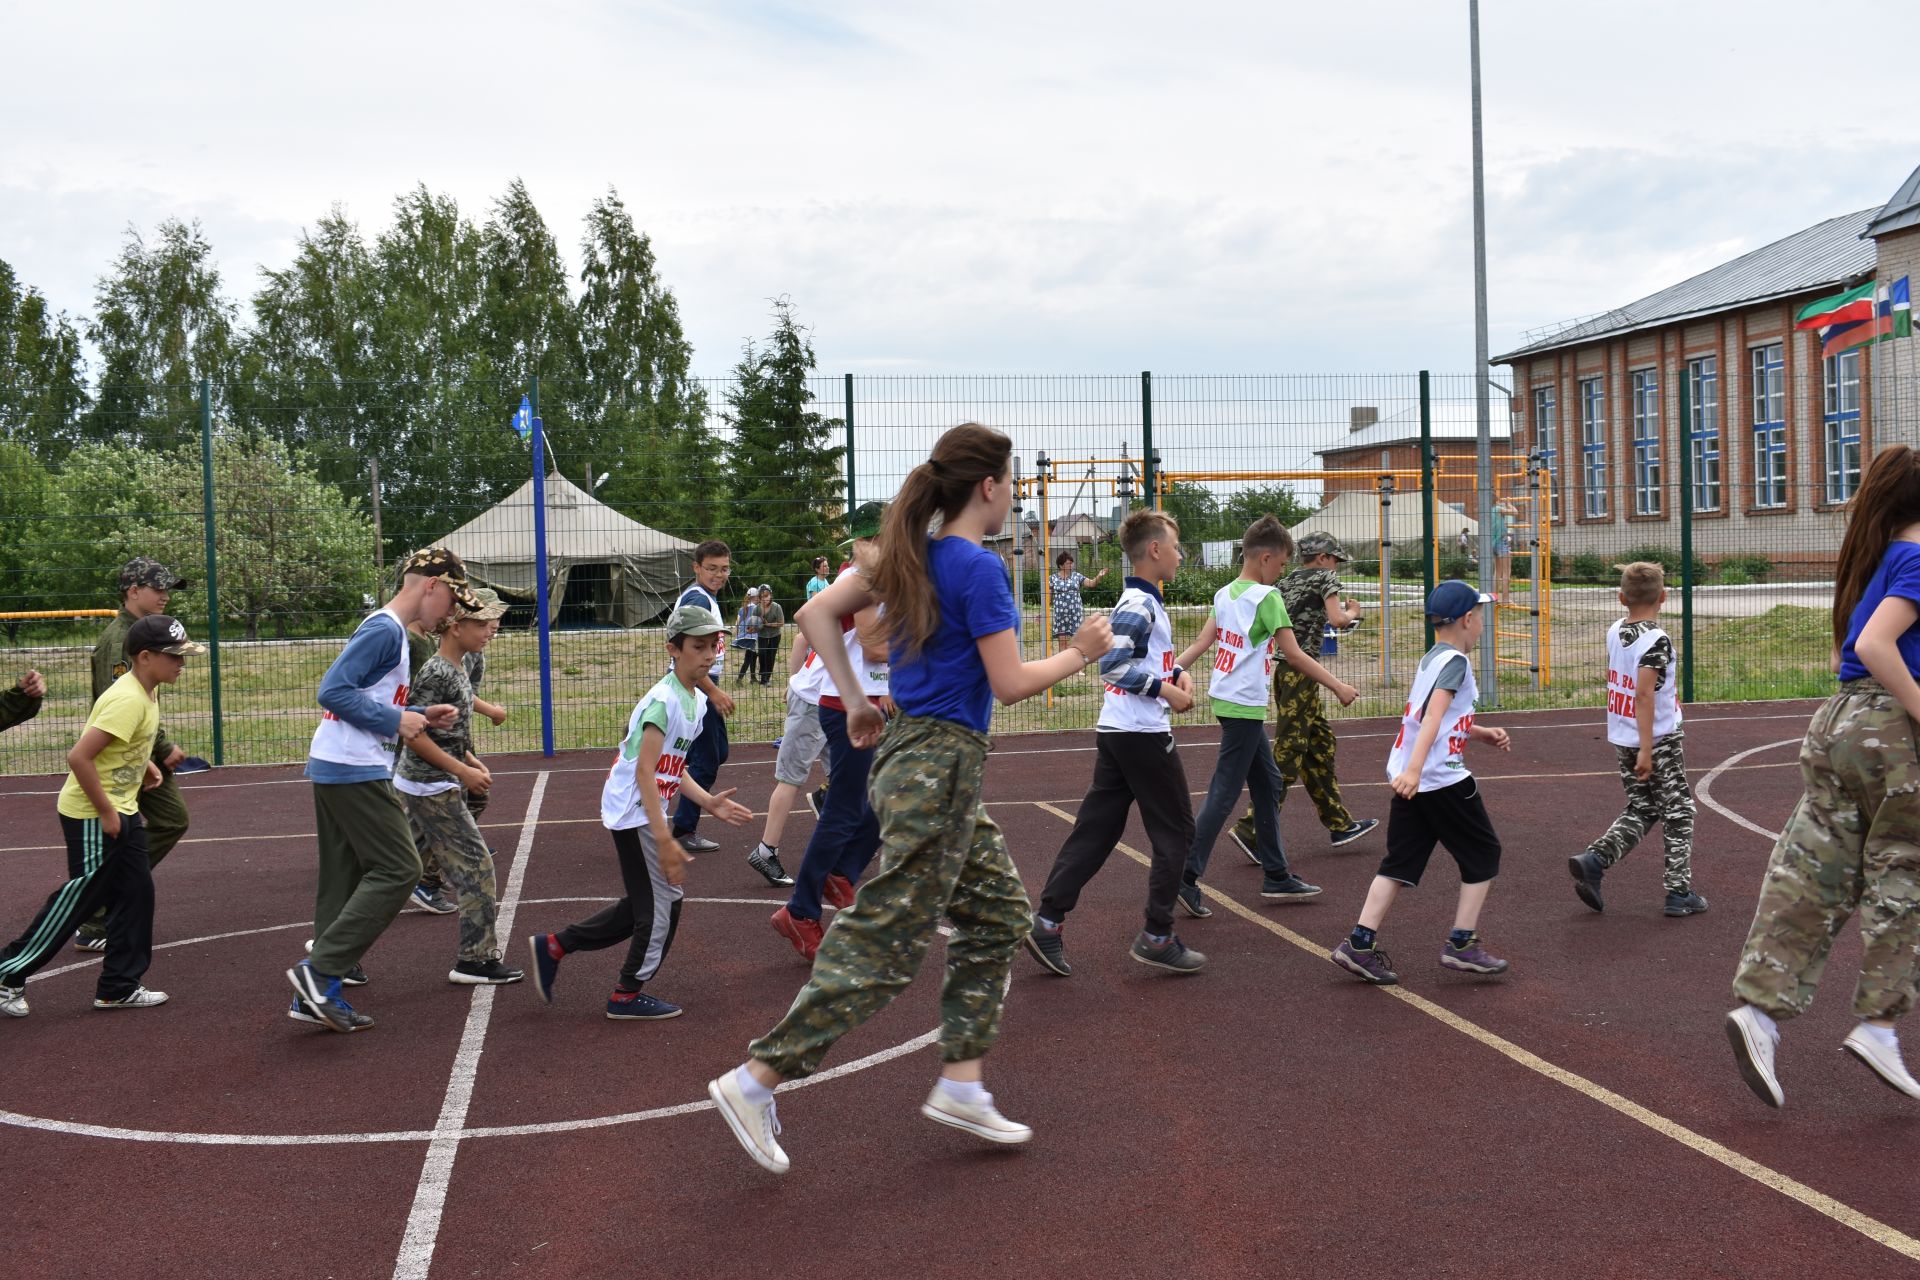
106,839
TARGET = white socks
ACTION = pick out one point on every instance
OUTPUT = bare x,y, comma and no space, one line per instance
972,1092
752,1090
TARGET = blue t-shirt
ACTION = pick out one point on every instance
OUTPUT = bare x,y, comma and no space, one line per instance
947,680
1898,576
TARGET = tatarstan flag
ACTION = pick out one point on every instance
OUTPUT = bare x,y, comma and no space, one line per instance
1842,308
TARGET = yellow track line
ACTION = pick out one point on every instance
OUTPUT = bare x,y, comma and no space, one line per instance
1847,1216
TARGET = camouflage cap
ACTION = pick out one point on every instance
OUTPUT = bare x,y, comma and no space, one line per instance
160,634
491,606
692,620
1321,544
439,562
143,571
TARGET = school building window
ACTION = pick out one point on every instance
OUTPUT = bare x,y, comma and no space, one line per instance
1842,425
1646,442
1546,425
1593,446
1770,426
1703,432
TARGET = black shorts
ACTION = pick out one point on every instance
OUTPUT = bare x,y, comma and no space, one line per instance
1454,816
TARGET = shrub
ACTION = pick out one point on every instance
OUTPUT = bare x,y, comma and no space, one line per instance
1589,566
1667,558
1733,575
1456,565
1739,570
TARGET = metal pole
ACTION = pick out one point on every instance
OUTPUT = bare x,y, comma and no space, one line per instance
1533,539
540,569
1686,534
1151,460
1489,638
850,498
1427,555
213,568
1019,547
1386,578
379,541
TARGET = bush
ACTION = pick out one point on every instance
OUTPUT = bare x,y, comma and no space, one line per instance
1667,558
1457,566
1732,575
1362,570
1740,570
1589,567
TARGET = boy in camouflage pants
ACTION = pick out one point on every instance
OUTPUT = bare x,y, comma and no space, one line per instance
1303,741
1644,726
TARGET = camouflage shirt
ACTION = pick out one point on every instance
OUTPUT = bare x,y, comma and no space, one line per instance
1659,655
1305,593
440,681
110,663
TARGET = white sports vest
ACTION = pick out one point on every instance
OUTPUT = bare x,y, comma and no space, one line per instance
1444,764
1623,672
620,807
1132,712
338,742
1242,671
706,601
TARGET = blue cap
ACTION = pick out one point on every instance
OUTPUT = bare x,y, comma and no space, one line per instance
1454,599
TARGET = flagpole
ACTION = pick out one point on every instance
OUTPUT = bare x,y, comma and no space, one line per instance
1490,636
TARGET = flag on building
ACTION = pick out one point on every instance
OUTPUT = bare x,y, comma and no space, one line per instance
1892,318
1896,310
1853,306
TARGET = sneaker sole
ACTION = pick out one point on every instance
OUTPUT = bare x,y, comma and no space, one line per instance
739,1130
1062,968
1164,967
1000,1136
469,980
777,882
119,1004
90,948
1462,966
643,1017
1686,911
535,945
424,909
301,1015
1361,973
1245,848
1583,886
1289,897
1351,836
1744,1053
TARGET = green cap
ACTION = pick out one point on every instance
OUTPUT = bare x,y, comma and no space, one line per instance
491,606
865,521
692,620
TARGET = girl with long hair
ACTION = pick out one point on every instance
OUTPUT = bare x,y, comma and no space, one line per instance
952,628
1853,844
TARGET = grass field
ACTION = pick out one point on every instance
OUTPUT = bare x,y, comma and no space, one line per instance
268,713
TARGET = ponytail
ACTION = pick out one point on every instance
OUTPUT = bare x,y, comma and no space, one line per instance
1887,501
941,486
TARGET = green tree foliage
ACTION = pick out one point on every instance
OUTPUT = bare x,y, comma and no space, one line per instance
42,373
1196,508
1238,510
783,466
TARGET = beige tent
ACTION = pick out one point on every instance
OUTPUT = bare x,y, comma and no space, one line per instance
603,568
1354,518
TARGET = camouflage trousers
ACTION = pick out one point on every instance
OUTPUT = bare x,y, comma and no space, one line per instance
430,876
1853,844
940,854
1664,798
1303,747
444,831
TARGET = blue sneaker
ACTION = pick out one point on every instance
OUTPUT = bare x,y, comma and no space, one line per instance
322,995
429,899
301,1011
545,968
638,1006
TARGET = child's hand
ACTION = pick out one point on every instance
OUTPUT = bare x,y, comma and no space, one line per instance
154,777
1346,693
33,684
865,724
110,823
722,701
443,715
674,861
1185,680
1495,738
728,811
1176,698
1643,764
411,723
478,781
498,715
1407,785
1094,637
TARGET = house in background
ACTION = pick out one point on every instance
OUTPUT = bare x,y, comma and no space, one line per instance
1374,444
1777,433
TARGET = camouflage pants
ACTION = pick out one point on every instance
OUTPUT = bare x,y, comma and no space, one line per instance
1303,747
444,830
940,854
1664,798
430,876
1852,844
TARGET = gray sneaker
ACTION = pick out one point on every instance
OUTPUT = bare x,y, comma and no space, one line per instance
1472,958
1192,903
1684,904
766,862
1288,888
1371,965
1172,955
698,844
1049,947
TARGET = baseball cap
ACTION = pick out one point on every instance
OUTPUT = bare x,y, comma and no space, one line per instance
1321,544
865,521
491,606
161,634
692,620
763,589
144,571
1454,599
438,562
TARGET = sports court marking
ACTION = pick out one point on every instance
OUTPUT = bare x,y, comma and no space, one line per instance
1705,789
1872,1228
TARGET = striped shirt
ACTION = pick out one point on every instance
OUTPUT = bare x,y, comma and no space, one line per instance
1140,659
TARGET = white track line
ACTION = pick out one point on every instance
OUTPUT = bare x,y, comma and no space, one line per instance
430,1197
1705,789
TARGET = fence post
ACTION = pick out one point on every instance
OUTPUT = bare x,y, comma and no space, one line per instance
213,567
1150,460
540,568
1430,569
851,500
1386,578
1685,434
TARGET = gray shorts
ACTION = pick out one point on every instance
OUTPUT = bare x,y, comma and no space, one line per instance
801,742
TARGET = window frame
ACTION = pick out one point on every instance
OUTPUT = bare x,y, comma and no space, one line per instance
1768,398
1546,431
1595,503
1648,480
1703,431
1840,447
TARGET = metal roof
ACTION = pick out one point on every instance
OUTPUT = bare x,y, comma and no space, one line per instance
1823,256
1899,213
1451,420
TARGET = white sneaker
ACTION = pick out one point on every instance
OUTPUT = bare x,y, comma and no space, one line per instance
754,1126
1753,1046
140,998
1883,1059
13,1001
980,1119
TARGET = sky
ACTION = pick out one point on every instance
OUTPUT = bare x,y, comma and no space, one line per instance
989,187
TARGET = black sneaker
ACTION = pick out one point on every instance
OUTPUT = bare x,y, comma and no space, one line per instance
1193,903
1685,904
767,863
1049,947
354,977
1288,888
301,1011
1586,870
1172,955
817,800
1347,835
321,994
486,972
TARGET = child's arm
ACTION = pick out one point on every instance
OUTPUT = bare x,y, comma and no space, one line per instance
1646,680
1297,659
1209,632
819,621
797,655
673,859
85,772
1407,785
1013,680
436,755
1338,608
492,711
1122,667
1491,736
1878,649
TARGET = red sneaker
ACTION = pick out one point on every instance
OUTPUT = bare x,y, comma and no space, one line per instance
837,892
804,934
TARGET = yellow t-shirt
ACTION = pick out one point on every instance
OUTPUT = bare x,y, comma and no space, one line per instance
132,716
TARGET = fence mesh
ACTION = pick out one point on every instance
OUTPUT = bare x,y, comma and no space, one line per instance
317,491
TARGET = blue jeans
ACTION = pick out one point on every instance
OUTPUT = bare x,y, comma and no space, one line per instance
1246,762
848,832
704,758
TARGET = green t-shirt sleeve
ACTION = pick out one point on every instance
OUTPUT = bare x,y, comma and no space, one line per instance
655,715
1270,618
